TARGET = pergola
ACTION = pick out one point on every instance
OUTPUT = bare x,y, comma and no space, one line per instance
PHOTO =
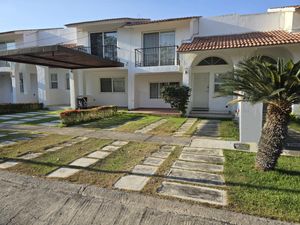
57,56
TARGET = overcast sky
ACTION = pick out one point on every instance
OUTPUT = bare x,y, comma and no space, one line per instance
27,14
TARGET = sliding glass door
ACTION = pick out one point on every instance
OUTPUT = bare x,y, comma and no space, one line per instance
104,45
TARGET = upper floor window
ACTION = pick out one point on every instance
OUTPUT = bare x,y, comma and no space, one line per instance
159,48
209,61
21,79
53,81
104,44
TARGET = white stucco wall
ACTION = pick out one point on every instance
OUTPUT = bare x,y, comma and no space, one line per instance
5,88
142,86
96,97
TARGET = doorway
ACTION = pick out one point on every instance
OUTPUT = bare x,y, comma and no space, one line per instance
201,90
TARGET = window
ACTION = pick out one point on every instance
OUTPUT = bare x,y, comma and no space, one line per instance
156,88
209,61
218,81
21,82
67,81
104,45
112,84
53,81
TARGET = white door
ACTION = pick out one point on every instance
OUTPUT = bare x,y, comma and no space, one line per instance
201,90
34,86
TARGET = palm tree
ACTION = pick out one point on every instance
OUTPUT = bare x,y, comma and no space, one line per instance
256,80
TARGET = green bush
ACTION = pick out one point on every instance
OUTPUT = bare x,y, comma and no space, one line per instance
177,96
72,117
20,107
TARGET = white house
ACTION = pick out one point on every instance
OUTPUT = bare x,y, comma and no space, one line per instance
147,55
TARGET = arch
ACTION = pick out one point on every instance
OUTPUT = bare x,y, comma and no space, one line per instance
212,60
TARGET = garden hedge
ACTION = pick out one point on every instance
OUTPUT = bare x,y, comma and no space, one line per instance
72,117
20,107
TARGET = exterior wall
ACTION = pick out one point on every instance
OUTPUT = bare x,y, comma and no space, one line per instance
296,110
142,87
5,88
96,97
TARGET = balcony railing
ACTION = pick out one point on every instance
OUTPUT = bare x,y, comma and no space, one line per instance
105,52
4,64
156,56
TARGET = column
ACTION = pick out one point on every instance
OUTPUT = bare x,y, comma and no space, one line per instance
14,81
73,88
187,81
43,84
131,90
81,83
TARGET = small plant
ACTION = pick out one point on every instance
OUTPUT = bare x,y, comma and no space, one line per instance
177,96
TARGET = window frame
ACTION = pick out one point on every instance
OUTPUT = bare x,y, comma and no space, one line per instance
160,86
210,62
103,41
112,87
218,82
53,81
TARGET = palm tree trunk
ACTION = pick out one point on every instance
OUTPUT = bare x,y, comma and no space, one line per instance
273,136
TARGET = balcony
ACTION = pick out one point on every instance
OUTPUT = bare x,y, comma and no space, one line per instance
104,52
157,56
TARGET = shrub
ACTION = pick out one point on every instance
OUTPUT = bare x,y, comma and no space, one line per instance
20,107
72,117
177,96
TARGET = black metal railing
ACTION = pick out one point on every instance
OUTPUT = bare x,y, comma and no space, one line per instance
105,52
156,56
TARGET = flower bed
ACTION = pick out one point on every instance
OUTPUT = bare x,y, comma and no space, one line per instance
72,117
20,107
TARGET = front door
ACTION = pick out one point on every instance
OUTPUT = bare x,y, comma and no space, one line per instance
201,90
34,86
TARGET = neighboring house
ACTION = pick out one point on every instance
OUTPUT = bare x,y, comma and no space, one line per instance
194,51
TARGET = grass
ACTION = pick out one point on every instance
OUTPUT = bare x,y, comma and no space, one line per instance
52,160
169,127
274,194
192,129
295,125
119,119
229,130
156,181
107,171
34,145
138,124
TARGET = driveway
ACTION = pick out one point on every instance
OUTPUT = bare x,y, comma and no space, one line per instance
30,200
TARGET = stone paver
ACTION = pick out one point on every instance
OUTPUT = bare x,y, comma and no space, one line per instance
144,169
185,127
110,148
152,161
49,124
178,164
161,154
84,162
132,182
120,143
31,155
22,139
99,154
5,118
7,143
29,119
41,117
63,172
201,158
209,128
195,177
151,126
195,193
14,122
54,149
203,151
3,135
8,164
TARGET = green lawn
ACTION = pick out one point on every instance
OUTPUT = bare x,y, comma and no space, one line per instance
172,125
274,194
138,124
295,125
229,130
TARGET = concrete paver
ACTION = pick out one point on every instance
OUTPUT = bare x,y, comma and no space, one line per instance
8,164
152,161
178,164
203,151
132,182
144,169
63,172
84,162
99,154
151,126
201,158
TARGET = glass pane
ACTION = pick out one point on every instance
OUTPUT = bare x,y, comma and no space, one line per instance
96,44
105,84
167,39
167,49
151,49
119,84
154,90
110,43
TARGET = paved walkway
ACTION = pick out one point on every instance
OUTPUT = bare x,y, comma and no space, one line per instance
31,200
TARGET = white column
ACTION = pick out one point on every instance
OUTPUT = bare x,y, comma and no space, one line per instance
14,82
73,88
43,84
187,81
81,83
131,90
250,121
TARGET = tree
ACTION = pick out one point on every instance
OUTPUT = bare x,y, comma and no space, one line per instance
277,85
177,96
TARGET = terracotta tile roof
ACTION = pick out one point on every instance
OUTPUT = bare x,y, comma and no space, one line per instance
159,21
253,39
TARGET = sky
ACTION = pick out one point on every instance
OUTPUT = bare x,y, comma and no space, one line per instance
29,14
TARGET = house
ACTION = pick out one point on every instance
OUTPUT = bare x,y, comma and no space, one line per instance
140,56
